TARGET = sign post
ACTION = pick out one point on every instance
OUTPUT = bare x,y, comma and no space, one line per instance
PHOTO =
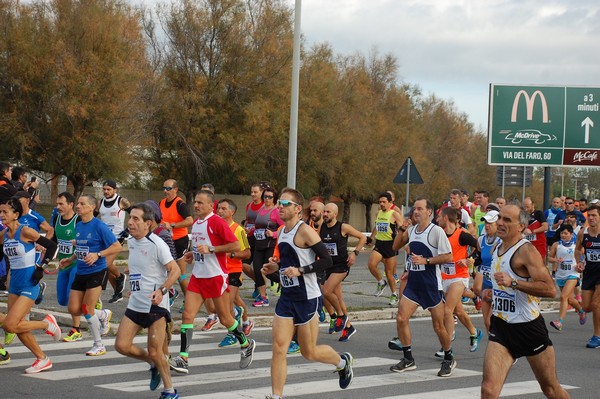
407,174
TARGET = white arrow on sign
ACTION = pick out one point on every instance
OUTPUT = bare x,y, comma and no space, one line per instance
587,122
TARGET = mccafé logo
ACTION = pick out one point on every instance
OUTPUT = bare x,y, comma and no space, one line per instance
587,156
529,103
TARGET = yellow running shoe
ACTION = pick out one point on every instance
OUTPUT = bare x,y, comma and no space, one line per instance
9,338
73,336
99,304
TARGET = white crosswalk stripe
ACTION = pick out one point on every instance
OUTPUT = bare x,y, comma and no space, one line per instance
210,366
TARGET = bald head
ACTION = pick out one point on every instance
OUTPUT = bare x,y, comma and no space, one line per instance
330,213
316,211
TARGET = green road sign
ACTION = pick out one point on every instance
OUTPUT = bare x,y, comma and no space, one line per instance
544,126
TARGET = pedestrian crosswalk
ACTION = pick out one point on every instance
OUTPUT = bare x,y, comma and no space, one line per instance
214,372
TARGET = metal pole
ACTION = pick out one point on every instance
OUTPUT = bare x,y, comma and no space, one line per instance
524,180
503,172
293,143
562,181
547,187
408,162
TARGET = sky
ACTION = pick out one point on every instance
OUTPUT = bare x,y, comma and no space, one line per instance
456,48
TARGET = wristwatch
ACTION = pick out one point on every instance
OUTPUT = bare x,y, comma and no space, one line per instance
211,249
514,283
428,260
99,254
356,252
232,255
164,290
172,225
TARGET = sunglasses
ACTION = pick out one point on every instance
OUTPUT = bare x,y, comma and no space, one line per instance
268,197
167,188
569,203
286,202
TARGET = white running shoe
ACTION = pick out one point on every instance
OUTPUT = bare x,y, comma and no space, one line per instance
97,350
53,328
105,324
39,365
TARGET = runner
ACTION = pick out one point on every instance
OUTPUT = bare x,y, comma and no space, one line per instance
297,308
334,235
112,210
455,276
517,328
64,230
536,230
93,243
212,241
562,254
152,272
383,233
588,249
428,247
19,247
252,209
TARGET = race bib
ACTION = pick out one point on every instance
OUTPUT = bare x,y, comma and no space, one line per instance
567,265
530,237
410,266
449,268
10,249
198,257
503,301
259,234
135,281
486,272
331,248
592,255
382,227
288,282
81,252
65,247
250,226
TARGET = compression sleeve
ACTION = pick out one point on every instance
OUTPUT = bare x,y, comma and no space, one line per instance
323,261
51,249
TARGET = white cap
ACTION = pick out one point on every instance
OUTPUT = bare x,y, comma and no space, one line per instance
490,217
595,201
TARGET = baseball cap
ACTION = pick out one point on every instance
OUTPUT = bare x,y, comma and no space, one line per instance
156,208
110,183
22,194
492,207
490,217
595,201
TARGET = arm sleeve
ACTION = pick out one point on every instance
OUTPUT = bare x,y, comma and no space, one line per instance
323,261
183,210
51,248
467,239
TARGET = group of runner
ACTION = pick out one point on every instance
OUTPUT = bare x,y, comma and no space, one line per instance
305,259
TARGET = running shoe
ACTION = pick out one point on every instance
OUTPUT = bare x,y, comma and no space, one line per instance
455,319
293,348
393,300
474,340
4,358
347,333
578,298
239,312
396,278
154,378
380,288
345,372
247,354
210,323
117,297
594,342
227,341
182,307
582,317
439,353
9,338
179,364
341,322
105,324
255,293
99,304
40,296
447,367
247,328
477,302
275,289
173,294
395,344
73,336
261,301
464,299
53,328
556,324
403,365
322,315
120,283
97,350
332,322
39,365
169,395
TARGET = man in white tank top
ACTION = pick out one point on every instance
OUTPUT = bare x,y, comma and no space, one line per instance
519,278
